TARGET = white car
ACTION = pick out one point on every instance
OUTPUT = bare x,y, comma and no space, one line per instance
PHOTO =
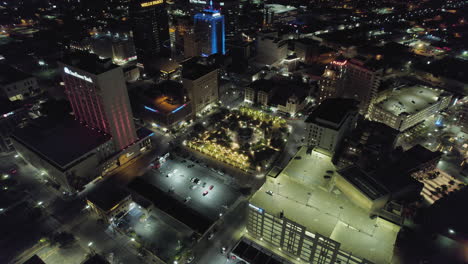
210,236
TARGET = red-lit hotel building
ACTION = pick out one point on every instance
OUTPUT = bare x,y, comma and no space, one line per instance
98,95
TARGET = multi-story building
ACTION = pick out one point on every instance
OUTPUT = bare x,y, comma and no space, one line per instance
17,85
192,45
307,50
328,124
98,96
332,80
402,108
209,29
271,49
101,138
362,81
201,83
123,50
150,26
109,202
12,114
165,105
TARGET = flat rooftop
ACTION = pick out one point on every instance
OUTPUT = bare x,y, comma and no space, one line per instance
333,110
171,206
365,183
107,196
61,144
89,62
194,71
309,199
277,9
166,104
410,100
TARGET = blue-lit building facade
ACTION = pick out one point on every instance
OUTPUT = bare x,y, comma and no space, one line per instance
209,27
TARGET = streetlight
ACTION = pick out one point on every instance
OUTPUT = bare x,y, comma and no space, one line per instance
451,231
39,203
16,156
90,244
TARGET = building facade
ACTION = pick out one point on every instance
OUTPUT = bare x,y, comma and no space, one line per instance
330,122
202,85
98,96
405,107
11,115
332,80
294,239
150,26
209,29
362,82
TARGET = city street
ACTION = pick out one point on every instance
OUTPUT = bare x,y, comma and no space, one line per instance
58,215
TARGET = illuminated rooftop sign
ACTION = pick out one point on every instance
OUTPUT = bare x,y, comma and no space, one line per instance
77,75
152,3
339,63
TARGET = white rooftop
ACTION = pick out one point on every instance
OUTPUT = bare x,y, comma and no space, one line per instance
410,100
276,8
311,200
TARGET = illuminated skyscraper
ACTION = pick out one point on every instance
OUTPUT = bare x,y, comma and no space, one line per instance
98,95
209,27
150,26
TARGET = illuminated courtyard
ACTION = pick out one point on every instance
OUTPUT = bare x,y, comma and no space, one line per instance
247,139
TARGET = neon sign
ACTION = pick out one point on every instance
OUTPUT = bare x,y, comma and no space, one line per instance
152,3
339,63
151,109
77,75
178,108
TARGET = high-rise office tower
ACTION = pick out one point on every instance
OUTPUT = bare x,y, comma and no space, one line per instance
209,27
332,81
362,81
150,26
98,95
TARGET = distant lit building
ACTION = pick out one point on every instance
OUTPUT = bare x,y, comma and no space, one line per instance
202,85
330,122
150,26
209,28
123,50
332,80
402,108
275,13
271,49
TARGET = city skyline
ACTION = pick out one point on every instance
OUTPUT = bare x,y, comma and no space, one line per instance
233,132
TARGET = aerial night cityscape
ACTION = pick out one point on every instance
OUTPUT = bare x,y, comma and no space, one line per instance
233,131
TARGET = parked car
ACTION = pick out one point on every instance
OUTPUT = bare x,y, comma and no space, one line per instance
211,187
205,193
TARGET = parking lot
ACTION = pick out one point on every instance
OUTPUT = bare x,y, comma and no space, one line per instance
205,190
